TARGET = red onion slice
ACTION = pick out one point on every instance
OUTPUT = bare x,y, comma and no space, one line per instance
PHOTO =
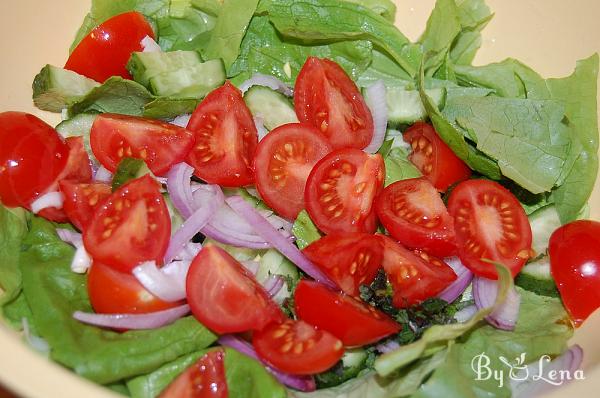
103,175
151,320
463,278
251,266
260,127
81,261
179,188
278,241
273,285
50,199
386,347
258,79
504,316
149,45
300,383
376,101
71,237
466,314
225,238
167,283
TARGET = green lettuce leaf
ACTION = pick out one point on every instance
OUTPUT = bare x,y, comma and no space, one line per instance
385,8
13,227
305,230
398,167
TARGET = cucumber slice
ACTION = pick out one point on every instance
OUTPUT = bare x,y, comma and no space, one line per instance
273,263
79,125
536,277
543,223
273,107
144,66
405,106
191,82
55,89
176,218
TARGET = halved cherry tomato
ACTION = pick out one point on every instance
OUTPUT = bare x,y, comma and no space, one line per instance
490,224
295,347
575,265
349,259
340,191
327,98
348,319
226,138
105,51
283,161
159,144
204,379
131,226
415,275
225,297
434,158
114,292
81,200
32,156
413,213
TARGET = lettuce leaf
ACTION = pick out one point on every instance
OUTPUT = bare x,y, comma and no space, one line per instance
13,227
398,167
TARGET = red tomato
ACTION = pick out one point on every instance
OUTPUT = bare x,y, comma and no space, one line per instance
575,265
159,144
349,259
327,98
204,379
490,224
348,319
28,146
284,159
81,200
413,213
434,158
225,297
114,292
295,347
131,226
415,276
105,51
340,191
226,138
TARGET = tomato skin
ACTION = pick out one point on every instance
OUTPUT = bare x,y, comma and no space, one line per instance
490,223
114,292
326,97
28,145
297,348
340,191
349,259
434,158
159,144
283,161
415,275
105,51
413,213
204,379
226,138
129,227
575,266
81,200
349,319
225,297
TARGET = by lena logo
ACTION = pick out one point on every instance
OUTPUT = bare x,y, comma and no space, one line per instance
518,370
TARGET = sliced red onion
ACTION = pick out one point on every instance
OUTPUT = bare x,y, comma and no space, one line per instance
260,127
466,313
258,79
463,278
50,199
300,383
504,316
273,285
189,252
182,120
254,192
225,238
167,283
149,45
530,383
274,237
180,191
388,346
251,266
151,320
81,260
103,175
377,103
68,236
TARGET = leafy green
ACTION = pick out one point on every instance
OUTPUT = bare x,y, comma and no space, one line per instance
385,8
305,230
398,167
13,227
353,362
128,169
54,292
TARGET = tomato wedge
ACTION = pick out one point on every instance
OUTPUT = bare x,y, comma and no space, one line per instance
490,224
225,297
349,259
204,379
348,319
28,145
81,200
413,212
297,348
114,292
434,158
415,276
284,159
226,138
159,144
105,51
131,226
340,191
327,98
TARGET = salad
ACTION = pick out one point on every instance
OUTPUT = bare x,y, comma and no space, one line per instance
271,198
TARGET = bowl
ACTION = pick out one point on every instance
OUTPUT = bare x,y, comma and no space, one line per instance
548,35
